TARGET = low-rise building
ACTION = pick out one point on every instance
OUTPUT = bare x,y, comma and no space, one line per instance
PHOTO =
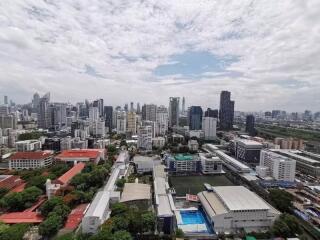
235,208
137,194
28,145
30,160
82,155
145,164
10,181
210,163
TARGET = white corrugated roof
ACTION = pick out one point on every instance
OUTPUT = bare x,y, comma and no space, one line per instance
135,191
240,198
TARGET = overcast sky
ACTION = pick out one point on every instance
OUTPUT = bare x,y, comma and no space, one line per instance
267,53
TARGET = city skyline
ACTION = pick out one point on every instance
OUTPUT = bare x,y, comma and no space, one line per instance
77,50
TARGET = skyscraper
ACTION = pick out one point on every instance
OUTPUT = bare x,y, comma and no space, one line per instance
43,113
211,113
162,120
108,117
226,113
195,117
5,100
174,111
35,102
131,122
250,125
209,127
151,112
138,108
183,105
131,107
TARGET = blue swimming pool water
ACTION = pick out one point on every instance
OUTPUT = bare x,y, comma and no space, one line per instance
192,217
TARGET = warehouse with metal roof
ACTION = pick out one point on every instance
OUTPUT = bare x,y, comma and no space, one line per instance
233,208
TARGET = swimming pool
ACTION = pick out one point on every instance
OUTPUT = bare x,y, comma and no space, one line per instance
192,217
193,221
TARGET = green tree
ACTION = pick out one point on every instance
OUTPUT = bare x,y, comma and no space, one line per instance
29,136
3,191
292,223
68,236
120,183
61,210
118,208
51,225
179,233
122,235
14,232
148,221
280,229
281,199
120,222
49,205
38,181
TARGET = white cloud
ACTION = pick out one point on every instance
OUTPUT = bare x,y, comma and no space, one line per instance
47,46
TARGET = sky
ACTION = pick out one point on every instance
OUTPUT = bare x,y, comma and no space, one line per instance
266,52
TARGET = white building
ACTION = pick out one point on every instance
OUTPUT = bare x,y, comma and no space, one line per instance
162,121
121,122
210,163
98,128
151,112
28,145
145,164
30,160
235,208
209,127
145,138
276,166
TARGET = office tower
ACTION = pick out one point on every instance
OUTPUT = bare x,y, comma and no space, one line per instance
93,114
209,127
35,102
98,104
183,105
151,112
126,107
226,111
174,111
43,112
250,125
5,100
138,108
131,123
131,107
162,120
144,112
121,122
211,113
195,117
108,117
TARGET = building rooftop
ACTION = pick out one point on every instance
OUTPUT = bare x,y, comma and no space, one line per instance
31,155
75,217
159,171
249,143
98,205
183,157
83,153
237,198
21,217
135,191
65,178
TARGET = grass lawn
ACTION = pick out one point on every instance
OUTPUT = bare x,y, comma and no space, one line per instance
194,184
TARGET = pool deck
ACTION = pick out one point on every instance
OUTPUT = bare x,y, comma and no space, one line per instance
190,228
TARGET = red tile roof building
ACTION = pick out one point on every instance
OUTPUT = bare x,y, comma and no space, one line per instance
75,217
30,160
21,217
10,181
83,155
66,178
